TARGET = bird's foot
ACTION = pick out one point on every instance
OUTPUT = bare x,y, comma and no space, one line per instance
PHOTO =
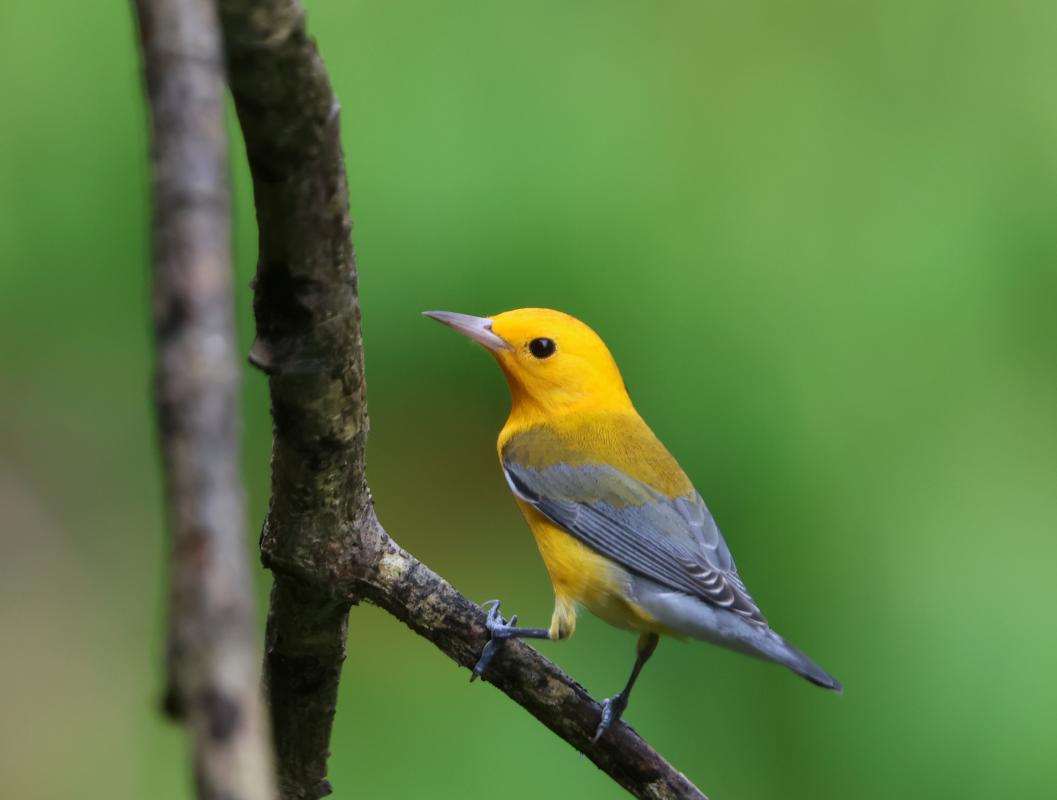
612,710
500,631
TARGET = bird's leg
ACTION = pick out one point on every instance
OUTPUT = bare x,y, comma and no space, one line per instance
501,630
613,708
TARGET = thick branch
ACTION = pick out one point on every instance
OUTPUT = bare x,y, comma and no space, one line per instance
212,650
308,339
321,538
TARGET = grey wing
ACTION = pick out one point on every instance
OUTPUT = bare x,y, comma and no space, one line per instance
673,541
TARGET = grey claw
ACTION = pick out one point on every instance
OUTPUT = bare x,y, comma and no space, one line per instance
497,626
486,658
494,619
612,710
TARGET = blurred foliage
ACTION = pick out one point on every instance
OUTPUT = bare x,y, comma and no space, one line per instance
820,239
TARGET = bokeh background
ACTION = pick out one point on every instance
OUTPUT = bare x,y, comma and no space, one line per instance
820,238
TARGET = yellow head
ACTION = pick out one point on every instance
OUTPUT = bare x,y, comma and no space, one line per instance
553,362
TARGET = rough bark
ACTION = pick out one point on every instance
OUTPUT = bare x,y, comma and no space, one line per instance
321,538
213,665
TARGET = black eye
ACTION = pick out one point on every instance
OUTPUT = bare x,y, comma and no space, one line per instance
542,348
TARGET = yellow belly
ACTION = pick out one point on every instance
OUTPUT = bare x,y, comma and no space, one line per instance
581,576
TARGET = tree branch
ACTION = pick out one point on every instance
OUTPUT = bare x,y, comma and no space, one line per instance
212,649
321,538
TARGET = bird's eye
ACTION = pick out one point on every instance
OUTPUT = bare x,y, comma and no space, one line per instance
542,348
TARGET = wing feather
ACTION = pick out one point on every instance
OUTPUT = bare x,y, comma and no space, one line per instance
673,541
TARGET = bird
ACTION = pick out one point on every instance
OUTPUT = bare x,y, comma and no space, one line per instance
621,529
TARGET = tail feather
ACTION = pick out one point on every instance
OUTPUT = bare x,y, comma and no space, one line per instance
802,665
693,617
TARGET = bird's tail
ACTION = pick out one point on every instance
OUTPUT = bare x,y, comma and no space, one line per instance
691,616
779,650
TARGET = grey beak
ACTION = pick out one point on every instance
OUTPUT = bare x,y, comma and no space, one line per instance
477,328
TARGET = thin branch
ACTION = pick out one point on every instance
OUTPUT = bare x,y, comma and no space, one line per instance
405,587
212,649
321,538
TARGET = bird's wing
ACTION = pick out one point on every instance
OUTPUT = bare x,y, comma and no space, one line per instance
671,540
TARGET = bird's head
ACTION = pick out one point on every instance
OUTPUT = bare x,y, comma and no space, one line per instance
553,362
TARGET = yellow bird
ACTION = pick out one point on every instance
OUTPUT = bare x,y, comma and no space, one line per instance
621,529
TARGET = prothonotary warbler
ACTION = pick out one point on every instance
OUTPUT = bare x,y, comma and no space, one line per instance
620,527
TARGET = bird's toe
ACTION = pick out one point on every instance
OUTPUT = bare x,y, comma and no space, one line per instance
612,710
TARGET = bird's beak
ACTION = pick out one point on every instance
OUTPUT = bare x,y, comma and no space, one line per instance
477,328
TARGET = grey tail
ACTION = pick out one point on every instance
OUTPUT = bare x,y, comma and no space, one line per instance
692,616
803,666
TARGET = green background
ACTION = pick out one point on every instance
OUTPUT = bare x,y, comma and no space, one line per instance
820,239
